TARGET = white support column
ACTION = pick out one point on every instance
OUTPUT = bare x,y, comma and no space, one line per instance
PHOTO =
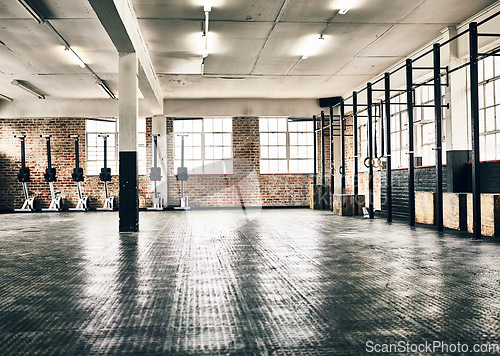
128,115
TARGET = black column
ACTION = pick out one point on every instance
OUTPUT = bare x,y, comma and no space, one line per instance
438,110
474,98
323,177
315,150
355,149
342,145
332,160
129,192
370,149
387,79
411,152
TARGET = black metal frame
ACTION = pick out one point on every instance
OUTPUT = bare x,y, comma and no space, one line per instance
332,159
475,56
342,147
474,109
355,151
369,95
387,78
323,176
411,148
438,112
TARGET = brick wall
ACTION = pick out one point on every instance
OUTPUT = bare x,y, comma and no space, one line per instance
62,147
246,186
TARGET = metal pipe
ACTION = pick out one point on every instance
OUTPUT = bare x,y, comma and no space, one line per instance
474,95
323,177
342,145
355,151
332,160
387,77
23,154
438,111
370,151
77,153
411,152
49,158
315,149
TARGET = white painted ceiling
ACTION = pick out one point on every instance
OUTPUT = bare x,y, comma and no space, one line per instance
255,52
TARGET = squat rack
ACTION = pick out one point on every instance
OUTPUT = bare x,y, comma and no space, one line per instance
474,57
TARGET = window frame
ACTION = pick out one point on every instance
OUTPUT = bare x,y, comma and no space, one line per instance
287,132
203,159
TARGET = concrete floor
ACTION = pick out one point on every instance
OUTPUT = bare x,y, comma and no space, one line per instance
290,281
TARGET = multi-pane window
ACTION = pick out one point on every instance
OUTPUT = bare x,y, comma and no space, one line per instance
207,145
95,145
489,108
399,131
426,130
286,146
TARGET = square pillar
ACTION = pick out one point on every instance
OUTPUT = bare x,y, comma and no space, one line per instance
128,114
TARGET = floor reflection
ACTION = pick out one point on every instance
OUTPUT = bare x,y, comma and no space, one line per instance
292,281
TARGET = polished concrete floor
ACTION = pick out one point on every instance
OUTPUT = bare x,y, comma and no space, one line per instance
290,281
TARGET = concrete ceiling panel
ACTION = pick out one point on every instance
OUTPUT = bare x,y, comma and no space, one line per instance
226,10
402,40
446,12
368,65
84,33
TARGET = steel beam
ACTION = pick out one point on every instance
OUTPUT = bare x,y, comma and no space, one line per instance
369,95
474,96
355,150
411,148
438,112
387,80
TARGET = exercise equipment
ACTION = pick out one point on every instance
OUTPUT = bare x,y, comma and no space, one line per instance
24,177
105,177
50,177
78,177
155,176
182,176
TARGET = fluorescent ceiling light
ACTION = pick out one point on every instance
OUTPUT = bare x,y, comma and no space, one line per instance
207,5
204,37
28,89
36,16
346,6
204,46
5,97
313,46
74,56
103,86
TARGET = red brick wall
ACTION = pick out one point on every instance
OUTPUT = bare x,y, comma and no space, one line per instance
246,186
62,147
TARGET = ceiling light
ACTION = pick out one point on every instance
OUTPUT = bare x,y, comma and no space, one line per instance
204,45
74,56
204,36
5,97
313,46
346,6
208,5
103,86
28,89
36,16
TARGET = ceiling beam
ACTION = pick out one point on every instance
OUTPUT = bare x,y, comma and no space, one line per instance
120,22
64,108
